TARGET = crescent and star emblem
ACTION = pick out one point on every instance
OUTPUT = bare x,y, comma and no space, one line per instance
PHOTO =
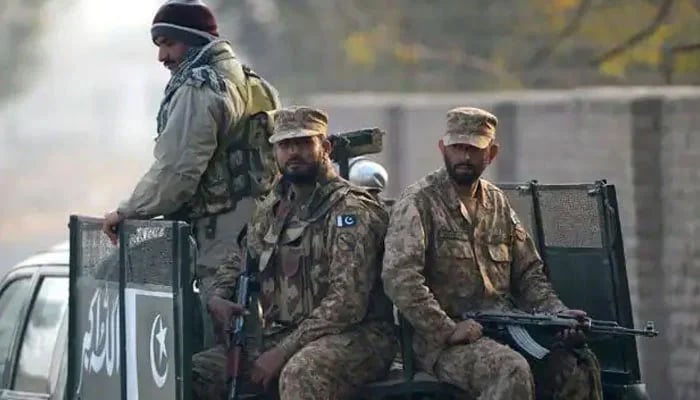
159,338
343,221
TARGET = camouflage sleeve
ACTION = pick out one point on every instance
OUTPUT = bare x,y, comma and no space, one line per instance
531,287
182,153
402,273
354,246
224,280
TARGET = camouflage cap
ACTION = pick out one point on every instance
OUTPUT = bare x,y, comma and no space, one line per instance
298,121
470,125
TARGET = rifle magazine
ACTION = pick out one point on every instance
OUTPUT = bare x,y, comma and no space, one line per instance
526,343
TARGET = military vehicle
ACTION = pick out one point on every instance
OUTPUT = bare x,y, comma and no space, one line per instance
128,334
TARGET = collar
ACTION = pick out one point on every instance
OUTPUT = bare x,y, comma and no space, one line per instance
327,183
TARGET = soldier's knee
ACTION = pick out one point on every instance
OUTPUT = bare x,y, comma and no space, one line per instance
569,374
507,366
514,378
517,366
208,374
297,370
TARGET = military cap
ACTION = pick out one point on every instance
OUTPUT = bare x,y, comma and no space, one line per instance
297,122
470,125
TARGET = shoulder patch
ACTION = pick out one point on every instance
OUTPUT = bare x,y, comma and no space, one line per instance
345,220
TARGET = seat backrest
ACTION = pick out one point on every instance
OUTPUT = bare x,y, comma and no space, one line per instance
577,230
521,199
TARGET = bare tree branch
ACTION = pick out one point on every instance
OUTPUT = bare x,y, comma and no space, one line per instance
468,60
669,60
661,14
571,28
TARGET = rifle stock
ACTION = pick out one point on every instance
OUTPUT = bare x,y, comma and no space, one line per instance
516,324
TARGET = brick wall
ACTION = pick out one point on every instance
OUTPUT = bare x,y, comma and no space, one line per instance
644,140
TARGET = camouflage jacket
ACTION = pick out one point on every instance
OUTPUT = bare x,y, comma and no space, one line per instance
438,262
189,178
319,268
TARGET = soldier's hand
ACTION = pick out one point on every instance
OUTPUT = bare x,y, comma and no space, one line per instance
267,367
109,226
574,337
465,332
578,314
222,310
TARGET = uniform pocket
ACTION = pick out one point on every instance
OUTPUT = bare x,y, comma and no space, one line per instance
291,260
454,272
454,245
499,252
291,251
499,272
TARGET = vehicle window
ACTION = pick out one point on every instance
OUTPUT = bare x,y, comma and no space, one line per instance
11,301
40,336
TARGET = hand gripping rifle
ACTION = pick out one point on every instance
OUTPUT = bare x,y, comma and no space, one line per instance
246,285
515,324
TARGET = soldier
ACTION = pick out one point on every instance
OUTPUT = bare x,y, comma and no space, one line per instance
455,244
327,325
202,112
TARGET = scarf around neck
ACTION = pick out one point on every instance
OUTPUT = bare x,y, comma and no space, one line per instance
196,65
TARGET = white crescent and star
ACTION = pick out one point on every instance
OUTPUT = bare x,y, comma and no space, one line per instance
345,220
159,378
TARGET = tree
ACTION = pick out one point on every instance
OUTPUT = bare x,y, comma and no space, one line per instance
414,45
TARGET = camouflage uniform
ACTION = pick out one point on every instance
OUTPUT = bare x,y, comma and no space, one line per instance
321,295
439,261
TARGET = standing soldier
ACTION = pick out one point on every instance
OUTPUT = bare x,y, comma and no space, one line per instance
454,244
209,165
318,241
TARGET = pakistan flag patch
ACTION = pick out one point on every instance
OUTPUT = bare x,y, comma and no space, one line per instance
345,220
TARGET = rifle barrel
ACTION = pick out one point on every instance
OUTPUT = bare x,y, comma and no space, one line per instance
563,321
619,330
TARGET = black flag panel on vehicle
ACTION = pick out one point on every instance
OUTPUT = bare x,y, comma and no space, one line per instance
126,336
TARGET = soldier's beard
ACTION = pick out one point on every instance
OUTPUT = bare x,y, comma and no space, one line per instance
461,176
307,175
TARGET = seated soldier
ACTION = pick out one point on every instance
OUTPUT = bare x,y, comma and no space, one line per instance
327,326
454,244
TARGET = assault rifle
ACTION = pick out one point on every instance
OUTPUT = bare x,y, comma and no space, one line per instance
515,324
246,284
347,145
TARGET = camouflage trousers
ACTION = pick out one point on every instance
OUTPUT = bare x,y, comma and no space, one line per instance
487,369
331,367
